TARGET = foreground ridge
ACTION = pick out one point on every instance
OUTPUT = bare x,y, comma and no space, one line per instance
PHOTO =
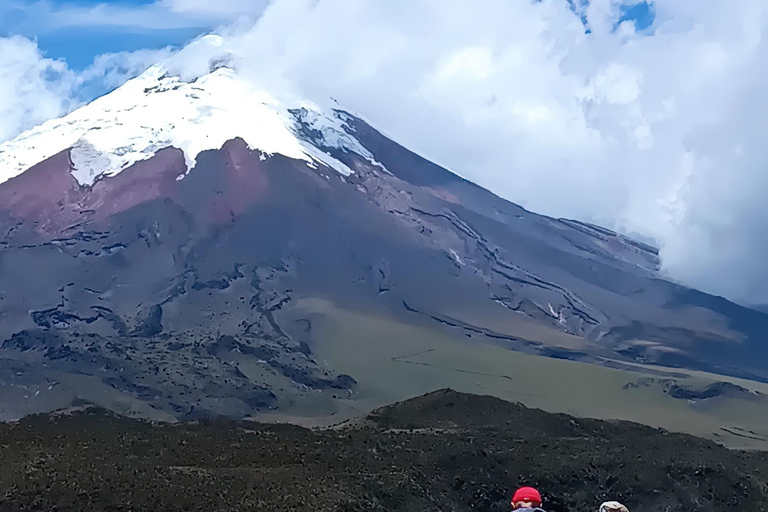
441,451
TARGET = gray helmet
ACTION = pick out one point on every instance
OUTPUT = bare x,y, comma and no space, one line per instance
612,506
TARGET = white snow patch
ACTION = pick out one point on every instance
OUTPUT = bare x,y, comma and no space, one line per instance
334,131
559,315
157,110
456,256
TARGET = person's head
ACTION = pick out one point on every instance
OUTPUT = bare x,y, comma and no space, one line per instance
526,497
612,506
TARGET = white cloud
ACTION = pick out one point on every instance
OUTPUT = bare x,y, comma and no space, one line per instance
656,132
218,9
111,70
34,88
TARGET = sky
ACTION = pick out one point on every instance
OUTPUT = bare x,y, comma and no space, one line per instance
643,116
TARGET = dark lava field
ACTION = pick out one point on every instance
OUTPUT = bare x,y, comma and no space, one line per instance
444,451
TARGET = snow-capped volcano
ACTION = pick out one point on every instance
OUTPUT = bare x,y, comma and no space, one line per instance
157,110
159,247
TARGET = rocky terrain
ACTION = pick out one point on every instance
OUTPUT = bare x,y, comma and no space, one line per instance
444,451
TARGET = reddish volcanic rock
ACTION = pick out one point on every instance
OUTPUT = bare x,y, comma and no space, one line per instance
243,182
49,197
146,180
46,195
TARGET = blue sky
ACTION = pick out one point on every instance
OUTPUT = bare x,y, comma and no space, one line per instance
641,13
79,47
77,31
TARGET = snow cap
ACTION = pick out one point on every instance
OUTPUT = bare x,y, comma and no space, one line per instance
527,494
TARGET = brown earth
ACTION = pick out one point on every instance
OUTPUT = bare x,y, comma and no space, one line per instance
444,451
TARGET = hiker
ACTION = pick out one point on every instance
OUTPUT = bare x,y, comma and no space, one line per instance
612,506
527,499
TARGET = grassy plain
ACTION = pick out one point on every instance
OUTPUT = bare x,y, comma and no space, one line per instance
393,361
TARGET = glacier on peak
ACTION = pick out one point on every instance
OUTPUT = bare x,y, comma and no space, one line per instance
157,110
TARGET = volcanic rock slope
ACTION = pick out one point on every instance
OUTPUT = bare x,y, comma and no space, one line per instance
149,238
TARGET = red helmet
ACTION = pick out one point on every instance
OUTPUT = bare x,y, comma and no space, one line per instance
527,494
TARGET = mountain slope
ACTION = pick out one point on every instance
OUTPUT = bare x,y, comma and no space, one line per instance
155,247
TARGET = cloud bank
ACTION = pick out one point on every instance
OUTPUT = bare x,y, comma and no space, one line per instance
567,110
34,88
565,107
